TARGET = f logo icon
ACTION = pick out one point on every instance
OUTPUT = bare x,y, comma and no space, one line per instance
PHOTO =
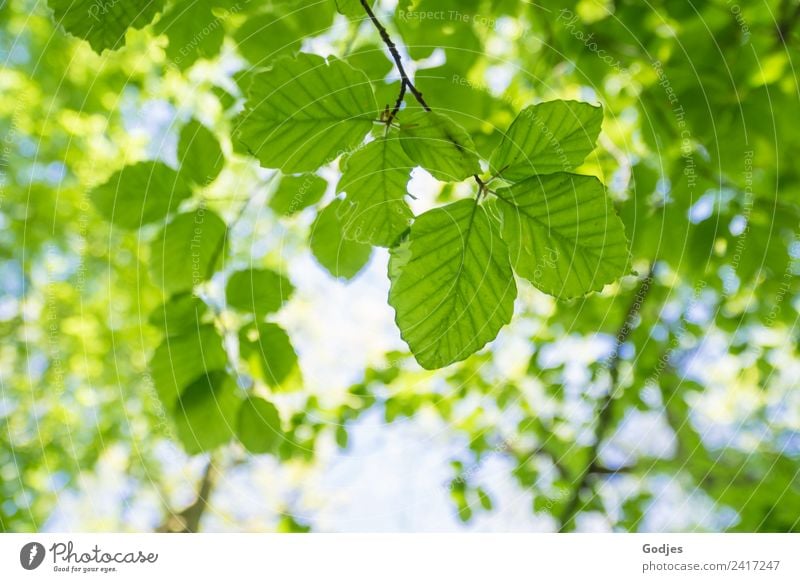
31,555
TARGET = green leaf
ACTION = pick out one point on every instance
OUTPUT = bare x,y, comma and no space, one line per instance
371,58
563,233
342,438
180,359
342,258
452,284
257,291
295,193
205,414
180,314
485,500
193,30
259,426
187,250
103,22
199,154
426,25
351,8
375,179
280,30
269,352
555,136
140,194
470,105
288,524
439,145
305,112
266,36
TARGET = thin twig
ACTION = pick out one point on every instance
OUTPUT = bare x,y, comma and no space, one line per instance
405,80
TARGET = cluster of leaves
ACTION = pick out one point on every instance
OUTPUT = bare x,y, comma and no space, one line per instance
207,406
451,272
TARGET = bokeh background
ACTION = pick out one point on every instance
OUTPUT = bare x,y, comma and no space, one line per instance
690,423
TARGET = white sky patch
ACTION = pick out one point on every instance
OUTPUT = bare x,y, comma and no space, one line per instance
339,328
424,188
640,435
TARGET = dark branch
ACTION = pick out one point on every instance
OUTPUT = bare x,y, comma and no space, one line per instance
405,80
188,520
397,105
605,414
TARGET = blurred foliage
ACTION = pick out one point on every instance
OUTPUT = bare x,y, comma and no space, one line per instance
126,202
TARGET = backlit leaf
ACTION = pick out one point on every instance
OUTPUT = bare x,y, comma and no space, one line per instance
180,314
180,359
268,350
199,153
103,22
205,414
555,136
375,180
452,285
257,291
563,233
305,112
439,145
187,250
341,257
294,193
259,426
193,30
140,194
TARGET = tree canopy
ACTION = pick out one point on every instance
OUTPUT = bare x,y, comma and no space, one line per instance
570,231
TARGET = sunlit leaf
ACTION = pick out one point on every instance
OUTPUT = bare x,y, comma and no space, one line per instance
103,23
341,257
140,194
267,348
199,154
555,136
563,233
257,291
305,112
187,250
180,314
193,30
205,413
375,179
295,193
180,359
259,426
439,145
452,284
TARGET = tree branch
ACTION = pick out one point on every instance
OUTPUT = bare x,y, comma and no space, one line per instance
605,414
188,520
405,80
